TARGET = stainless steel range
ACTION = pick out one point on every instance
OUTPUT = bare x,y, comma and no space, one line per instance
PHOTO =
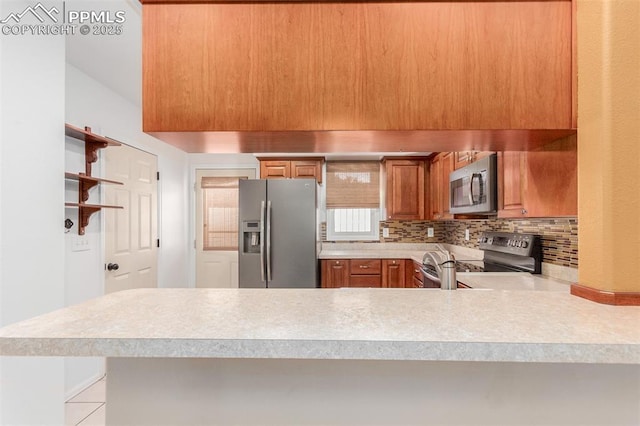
502,252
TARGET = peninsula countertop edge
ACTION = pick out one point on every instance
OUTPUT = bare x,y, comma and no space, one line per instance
349,324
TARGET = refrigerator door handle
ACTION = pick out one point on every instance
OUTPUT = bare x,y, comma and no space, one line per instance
262,235
268,241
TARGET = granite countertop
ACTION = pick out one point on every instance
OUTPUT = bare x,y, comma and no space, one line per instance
356,324
374,251
415,255
517,281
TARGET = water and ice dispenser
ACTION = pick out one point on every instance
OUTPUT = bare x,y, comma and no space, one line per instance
251,236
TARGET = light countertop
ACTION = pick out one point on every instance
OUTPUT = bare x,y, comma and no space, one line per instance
415,255
517,281
356,324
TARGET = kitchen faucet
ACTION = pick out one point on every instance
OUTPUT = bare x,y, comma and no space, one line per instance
446,268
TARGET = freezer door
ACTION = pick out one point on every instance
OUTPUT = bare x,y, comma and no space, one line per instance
293,257
252,196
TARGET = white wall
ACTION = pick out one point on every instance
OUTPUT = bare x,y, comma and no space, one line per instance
89,103
31,197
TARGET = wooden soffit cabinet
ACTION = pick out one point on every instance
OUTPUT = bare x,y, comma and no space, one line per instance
246,71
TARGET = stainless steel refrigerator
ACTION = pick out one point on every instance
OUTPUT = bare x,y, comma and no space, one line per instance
278,233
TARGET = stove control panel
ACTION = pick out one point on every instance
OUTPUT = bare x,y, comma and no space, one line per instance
507,242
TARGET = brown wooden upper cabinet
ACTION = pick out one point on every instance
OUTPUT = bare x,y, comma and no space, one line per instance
441,166
539,183
307,167
405,188
461,159
286,66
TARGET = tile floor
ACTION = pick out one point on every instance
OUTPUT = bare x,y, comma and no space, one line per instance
88,407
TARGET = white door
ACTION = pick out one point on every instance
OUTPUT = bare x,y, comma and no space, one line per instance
217,226
131,232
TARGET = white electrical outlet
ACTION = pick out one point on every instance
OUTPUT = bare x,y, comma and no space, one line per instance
385,232
430,232
466,234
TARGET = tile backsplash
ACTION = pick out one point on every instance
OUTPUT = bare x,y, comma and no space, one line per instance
559,235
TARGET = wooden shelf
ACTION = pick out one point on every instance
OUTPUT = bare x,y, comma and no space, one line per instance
92,206
85,212
86,135
92,143
87,182
83,177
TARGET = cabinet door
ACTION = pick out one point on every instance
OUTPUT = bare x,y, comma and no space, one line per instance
405,189
275,169
393,273
461,159
435,186
306,169
335,273
511,184
448,166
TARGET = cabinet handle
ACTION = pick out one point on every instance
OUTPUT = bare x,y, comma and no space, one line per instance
416,271
524,211
337,262
363,266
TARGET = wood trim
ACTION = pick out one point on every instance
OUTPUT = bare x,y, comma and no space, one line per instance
618,298
574,63
363,141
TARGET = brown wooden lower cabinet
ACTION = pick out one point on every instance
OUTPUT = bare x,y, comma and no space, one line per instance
364,281
393,273
336,273
414,275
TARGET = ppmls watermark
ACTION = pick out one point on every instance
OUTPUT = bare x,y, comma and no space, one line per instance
39,20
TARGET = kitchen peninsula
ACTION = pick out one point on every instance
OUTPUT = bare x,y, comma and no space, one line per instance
350,356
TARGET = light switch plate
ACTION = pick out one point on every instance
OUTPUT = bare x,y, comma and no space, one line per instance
466,234
385,232
80,243
430,232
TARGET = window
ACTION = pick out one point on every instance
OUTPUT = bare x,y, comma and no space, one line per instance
220,215
353,200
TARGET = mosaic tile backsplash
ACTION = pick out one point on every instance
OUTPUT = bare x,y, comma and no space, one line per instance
559,235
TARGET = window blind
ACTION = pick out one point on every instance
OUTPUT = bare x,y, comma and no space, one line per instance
353,184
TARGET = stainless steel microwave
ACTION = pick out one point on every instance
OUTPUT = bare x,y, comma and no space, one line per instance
474,188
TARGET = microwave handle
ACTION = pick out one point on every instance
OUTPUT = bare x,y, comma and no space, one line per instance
479,177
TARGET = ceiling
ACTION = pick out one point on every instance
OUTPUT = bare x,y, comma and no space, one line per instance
113,60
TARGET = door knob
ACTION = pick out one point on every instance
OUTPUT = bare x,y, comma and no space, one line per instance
112,267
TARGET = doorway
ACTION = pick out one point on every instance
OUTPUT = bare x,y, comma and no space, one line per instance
217,226
131,233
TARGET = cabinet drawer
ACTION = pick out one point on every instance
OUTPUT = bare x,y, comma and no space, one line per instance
365,266
365,281
417,273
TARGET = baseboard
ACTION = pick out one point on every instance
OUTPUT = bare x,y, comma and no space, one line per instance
606,297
